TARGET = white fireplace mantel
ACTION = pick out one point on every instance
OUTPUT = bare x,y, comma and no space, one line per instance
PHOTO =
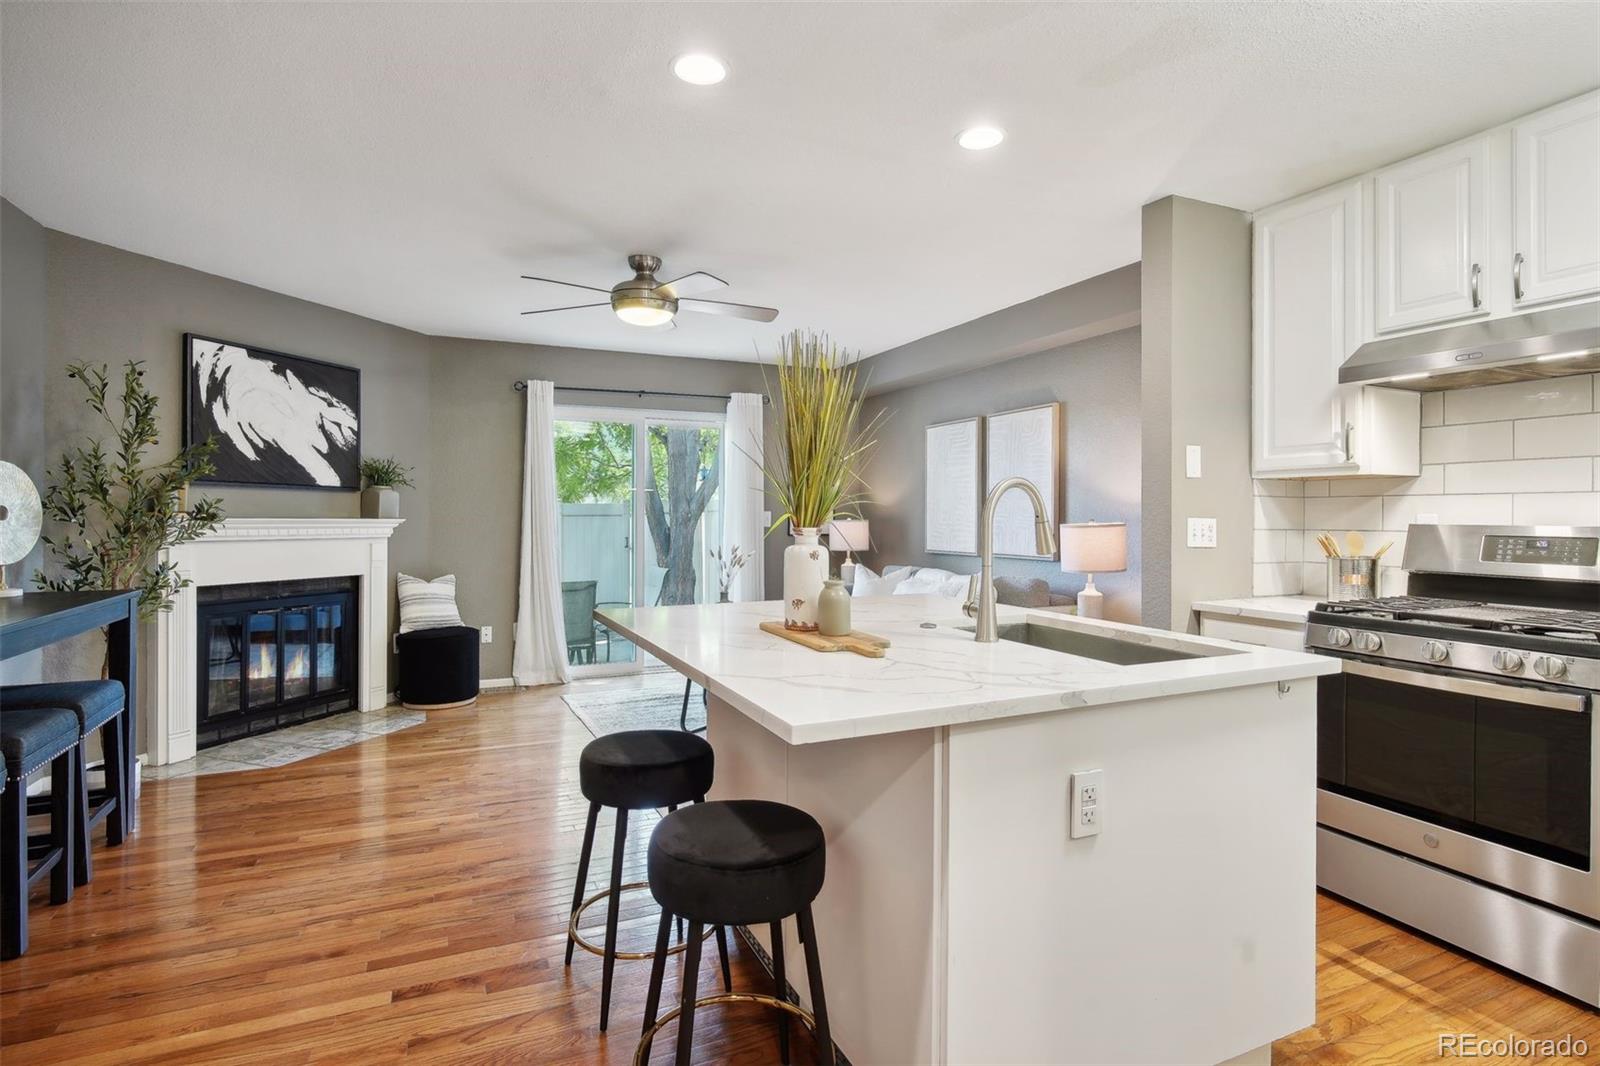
268,549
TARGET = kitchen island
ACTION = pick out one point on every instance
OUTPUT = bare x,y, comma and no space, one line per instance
959,922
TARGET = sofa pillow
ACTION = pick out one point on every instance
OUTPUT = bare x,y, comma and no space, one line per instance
427,604
931,581
1022,592
869,584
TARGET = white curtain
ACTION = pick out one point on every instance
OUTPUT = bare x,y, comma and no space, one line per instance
539,654
744,492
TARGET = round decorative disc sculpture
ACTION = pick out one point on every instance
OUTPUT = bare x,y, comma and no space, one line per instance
20,519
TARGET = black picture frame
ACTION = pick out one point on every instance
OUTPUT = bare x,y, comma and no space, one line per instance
274,463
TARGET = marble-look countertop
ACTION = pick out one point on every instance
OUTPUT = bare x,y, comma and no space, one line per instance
1265,608
928,677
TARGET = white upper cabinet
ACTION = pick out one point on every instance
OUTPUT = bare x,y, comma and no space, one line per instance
1556,203
1307,295
1431,241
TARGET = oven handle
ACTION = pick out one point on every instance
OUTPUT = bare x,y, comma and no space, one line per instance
1535,697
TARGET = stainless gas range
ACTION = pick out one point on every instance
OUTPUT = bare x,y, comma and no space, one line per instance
1456,752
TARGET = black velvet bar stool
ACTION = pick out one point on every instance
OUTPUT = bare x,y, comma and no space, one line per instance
642,769
30,738
99,706
737,862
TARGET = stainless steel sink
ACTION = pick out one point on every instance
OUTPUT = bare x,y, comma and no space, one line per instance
1090,645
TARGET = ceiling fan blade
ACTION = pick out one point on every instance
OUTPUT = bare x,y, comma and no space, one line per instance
573,307
722,307
693,284
568,284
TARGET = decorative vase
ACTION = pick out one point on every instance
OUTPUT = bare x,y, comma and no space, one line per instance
380,501
724,598
833,609
805,568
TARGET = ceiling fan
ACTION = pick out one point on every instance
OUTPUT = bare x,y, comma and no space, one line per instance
643,301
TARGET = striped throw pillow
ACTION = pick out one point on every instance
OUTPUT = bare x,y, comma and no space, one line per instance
427,604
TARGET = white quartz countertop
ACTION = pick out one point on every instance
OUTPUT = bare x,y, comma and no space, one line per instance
929,677
1265,608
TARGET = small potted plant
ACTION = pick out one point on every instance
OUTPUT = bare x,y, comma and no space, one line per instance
382,477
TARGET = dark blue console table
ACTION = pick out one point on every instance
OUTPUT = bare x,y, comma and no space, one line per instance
35,619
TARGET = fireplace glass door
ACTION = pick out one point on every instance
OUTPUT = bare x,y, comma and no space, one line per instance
273,660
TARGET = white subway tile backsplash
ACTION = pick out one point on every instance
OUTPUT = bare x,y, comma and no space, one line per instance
1556,509
1525,453
1541,438
1428,483
1275,579
1401,511
1469,443
1280,512
1433,409
1520,475
1520,399
1345,512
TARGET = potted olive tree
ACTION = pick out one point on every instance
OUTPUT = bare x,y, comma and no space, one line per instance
382,477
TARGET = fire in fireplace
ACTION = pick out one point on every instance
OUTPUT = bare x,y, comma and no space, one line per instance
273,654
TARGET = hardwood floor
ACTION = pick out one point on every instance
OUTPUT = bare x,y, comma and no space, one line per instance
407,899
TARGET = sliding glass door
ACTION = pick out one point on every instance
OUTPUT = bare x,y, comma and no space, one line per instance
641,512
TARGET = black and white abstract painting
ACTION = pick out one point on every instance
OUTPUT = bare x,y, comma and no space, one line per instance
277,419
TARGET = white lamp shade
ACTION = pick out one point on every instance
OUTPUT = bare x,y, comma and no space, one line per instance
1094,547
848,535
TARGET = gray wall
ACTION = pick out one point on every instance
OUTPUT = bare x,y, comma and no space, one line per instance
1097,383
23,318
476,427
1195,385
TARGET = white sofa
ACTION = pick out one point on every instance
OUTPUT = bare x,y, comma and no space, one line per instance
932,581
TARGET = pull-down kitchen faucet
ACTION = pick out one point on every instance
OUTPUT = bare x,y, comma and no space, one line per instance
980,590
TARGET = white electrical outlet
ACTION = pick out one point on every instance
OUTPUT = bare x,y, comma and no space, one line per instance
1191,461
486,635
1086,808
1202,533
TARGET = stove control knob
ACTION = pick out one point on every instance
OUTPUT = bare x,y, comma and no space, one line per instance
1368,642
1507,662
1550,668
1339,638
1435,651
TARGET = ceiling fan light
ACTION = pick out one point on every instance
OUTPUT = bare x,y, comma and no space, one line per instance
642,310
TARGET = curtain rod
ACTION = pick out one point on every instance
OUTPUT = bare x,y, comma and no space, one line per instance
522,386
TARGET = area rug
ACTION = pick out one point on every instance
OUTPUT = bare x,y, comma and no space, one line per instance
653,700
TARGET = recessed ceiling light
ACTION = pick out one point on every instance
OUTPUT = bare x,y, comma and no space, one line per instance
980,138
697,68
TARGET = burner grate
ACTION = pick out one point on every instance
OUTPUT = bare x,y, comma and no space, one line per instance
1395,603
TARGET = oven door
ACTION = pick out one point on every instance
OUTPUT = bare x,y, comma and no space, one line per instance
1491,780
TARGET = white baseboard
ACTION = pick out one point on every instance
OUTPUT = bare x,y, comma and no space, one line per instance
490,683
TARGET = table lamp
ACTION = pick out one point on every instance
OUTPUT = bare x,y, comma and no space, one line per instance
848,535
1093,548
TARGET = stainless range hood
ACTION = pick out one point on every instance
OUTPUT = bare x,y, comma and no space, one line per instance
1540,344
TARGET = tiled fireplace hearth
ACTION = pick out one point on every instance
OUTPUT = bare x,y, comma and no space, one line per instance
284,620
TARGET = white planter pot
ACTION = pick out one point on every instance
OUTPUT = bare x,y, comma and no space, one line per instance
805,568
380,501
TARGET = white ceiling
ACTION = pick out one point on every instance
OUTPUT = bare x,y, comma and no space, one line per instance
408,162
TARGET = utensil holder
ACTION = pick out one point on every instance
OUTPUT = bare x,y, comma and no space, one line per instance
1352,577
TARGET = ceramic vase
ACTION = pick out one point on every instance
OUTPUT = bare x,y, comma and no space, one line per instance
833,609
380,501
805,568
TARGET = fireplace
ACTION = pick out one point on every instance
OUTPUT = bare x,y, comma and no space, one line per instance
272,654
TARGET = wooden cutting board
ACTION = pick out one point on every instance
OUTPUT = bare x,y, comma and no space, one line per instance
861,643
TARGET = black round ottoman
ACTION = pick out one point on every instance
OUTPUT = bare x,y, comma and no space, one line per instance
438,668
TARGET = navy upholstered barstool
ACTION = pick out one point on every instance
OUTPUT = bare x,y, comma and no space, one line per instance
737,862
98,706
30,738
641,769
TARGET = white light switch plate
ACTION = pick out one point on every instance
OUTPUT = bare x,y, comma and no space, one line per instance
1191,460
1086,808
486,635
1202,533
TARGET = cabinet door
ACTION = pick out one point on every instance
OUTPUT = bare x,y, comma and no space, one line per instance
1432,237
1307,317
1556,184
